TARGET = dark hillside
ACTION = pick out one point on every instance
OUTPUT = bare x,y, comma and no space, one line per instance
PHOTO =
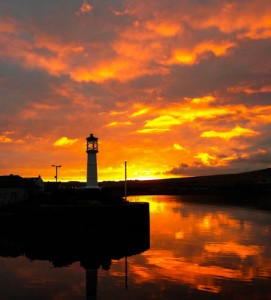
249,182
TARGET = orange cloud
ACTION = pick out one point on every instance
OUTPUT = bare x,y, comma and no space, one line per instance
5,139
247,22
185,112
122,68
170,123
194,55
260,114
249,90
214,160
202,100
134,49
164,28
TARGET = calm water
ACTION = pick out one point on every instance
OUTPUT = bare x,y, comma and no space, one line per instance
197,251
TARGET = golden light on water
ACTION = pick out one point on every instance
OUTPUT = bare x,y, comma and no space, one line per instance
191,242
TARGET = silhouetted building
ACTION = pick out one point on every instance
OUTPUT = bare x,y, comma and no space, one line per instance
14,188
37,182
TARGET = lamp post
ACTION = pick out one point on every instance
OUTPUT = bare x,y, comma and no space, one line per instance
56,170
125,180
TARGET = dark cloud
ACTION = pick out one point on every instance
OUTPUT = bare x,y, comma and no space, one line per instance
255,162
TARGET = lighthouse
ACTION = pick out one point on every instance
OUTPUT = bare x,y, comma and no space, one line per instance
92,150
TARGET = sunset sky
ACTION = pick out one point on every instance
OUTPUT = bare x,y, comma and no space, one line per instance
175,87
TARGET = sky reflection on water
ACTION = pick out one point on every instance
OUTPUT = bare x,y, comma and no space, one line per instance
197,251
216,249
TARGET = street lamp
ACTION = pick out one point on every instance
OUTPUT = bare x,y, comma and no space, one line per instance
125,180
56,170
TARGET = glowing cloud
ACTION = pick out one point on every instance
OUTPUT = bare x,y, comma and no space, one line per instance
203,100
64,141
193,56
185,112
160,124
5,139
206,159
235,132
140,112
178,147
119,123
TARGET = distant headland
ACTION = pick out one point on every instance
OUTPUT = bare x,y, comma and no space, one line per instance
258,181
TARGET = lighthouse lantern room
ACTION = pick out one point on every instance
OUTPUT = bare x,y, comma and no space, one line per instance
92,150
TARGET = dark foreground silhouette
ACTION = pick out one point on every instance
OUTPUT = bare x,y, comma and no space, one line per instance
67,234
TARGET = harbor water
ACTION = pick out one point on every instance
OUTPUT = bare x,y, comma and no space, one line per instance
195,251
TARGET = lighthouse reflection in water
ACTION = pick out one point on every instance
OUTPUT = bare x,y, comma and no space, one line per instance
196,251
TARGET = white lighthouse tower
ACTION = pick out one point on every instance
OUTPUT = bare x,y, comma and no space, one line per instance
92,149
